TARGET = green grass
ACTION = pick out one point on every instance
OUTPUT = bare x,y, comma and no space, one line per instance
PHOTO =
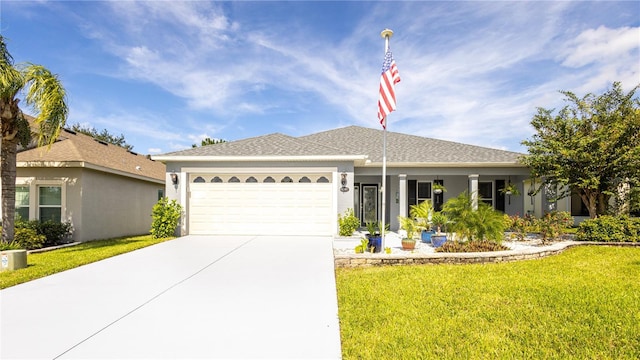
581,304
51,262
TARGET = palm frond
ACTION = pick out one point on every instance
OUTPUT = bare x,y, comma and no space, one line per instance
48,98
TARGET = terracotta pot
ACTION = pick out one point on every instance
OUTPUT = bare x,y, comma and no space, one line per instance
408,244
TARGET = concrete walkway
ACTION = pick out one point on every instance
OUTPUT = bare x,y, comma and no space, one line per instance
193,297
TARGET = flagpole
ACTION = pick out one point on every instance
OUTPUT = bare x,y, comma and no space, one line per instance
386,34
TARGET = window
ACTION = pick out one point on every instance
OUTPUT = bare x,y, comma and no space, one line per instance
199,179
216,179
50,203
269,179
160,194
485,192
286,179
22,202
304,179
252,179
424,191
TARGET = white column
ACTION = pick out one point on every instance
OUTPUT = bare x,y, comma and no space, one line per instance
402,194
473,190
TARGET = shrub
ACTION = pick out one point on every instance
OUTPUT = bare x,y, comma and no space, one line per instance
10,246
471,246
484,223
521,226
166,215
554,224
54,232
608,228
348,223
29,238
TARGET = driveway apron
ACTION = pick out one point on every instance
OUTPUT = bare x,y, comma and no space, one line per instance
193,297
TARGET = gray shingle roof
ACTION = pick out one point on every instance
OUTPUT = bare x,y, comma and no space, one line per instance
355,141
403,148
267,145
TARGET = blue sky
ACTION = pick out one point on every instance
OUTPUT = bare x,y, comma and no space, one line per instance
169,73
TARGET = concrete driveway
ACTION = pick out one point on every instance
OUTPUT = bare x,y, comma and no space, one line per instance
193,297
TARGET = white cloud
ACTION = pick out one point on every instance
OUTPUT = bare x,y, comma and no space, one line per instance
601,45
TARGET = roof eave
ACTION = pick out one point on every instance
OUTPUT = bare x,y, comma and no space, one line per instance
203,158
505,164
86,165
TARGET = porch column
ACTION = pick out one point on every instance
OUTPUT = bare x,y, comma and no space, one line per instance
473,190
402,194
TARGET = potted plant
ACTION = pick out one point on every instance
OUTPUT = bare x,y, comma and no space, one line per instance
422,214
407,224
439,221
439,189
374,236
510,189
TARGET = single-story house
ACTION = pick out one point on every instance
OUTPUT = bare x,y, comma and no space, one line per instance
279,184
104,190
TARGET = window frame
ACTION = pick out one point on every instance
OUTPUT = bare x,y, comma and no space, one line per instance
488,200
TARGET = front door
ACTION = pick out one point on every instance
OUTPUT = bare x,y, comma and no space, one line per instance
369,204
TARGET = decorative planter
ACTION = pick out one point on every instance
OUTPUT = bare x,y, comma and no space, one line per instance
438,240
375,241
408,244
426,236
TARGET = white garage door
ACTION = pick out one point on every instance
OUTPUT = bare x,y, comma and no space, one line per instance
261,204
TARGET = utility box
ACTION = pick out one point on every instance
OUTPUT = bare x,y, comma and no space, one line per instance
13,259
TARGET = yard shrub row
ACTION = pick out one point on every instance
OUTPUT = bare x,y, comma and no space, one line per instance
608,228
35,234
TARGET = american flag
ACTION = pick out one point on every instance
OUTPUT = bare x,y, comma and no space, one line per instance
389,78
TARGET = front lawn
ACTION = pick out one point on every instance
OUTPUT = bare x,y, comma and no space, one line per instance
581,304
51,262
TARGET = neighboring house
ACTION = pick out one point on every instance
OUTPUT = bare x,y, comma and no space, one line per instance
104,190
278,184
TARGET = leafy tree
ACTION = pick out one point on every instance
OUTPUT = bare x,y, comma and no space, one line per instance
209,141
592,146
103,135
46,96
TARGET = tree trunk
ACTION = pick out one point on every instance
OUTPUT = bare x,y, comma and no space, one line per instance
8,173
589,199
603,203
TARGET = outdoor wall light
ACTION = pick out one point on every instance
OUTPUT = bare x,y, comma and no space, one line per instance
343,182
174,178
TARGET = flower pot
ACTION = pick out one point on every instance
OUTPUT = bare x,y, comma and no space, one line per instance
375,241
408,244
425,236
438,240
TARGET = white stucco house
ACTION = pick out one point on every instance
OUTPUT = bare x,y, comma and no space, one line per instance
278,184
104,190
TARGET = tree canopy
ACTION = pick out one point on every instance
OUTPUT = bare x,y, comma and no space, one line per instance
44,94
209,141
103,135
591,147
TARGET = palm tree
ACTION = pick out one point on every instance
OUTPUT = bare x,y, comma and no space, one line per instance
46,96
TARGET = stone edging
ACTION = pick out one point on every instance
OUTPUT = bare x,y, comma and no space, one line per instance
50,248
368,260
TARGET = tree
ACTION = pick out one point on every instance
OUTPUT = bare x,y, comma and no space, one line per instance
209,141
46,96
103,135
591,147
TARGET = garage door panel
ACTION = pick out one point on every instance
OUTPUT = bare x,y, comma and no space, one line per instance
258,208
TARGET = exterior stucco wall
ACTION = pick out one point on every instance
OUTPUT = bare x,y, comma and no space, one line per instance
98,204
114,206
